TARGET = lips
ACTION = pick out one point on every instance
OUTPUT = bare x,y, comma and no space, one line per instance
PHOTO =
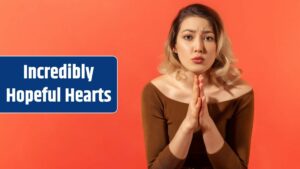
198,59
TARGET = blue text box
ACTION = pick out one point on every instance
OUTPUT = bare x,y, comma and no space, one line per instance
58,84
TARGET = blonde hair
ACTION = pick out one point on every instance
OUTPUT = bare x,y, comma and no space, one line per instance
223,71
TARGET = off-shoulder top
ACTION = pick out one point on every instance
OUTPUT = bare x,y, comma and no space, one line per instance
162,117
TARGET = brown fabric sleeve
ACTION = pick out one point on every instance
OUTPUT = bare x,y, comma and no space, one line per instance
156,133
235,152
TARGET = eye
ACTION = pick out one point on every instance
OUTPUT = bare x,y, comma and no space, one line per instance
188,37
209,38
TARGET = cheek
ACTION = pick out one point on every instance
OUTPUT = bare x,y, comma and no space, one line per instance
211,58
212,50
211,46
182,47
211,54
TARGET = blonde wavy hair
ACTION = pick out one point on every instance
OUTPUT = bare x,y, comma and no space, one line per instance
223,71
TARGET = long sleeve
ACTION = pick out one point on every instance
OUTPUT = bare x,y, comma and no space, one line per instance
235,152
156,132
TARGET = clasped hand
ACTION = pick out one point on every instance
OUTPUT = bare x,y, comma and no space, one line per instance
197,115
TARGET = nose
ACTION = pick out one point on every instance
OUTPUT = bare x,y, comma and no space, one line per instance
199,45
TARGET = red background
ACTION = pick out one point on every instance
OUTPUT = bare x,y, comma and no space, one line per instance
265,40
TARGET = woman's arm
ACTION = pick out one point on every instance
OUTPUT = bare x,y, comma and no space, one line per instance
160,154
212,138
180,144
234,152
156,136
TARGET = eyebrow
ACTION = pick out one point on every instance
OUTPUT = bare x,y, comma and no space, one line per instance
193,31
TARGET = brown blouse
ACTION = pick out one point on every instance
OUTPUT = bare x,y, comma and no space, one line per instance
162,117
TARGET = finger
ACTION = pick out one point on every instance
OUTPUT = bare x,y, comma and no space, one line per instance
200,89
195,90
198,105
203,106
195,108
201,86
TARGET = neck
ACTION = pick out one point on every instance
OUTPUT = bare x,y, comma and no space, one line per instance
188,79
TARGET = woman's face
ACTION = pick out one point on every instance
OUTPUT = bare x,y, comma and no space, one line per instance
196,44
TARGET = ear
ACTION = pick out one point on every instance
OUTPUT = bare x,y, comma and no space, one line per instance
174,50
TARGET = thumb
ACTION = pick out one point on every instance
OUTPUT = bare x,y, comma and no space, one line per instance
203,106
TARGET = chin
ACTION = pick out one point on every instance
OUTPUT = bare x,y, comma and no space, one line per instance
198,71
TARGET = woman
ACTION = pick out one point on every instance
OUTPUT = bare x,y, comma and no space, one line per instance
199,113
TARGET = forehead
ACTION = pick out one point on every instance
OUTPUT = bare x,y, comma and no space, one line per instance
195,23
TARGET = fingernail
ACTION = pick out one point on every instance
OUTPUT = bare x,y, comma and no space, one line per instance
200,77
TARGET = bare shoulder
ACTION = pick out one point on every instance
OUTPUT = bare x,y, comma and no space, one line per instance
240,88
170,88
221,94
162,83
